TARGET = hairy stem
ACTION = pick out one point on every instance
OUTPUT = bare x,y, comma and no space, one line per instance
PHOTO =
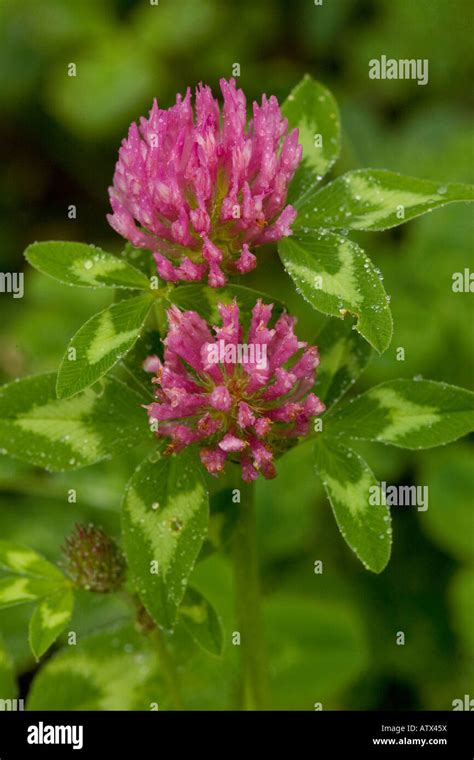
249,614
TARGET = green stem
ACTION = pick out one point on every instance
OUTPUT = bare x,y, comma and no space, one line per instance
249,614
168,667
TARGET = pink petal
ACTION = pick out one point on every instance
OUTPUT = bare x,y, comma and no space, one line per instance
232,443
221,399
213,460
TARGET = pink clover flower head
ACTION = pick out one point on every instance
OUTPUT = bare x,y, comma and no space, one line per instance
242,402
200,190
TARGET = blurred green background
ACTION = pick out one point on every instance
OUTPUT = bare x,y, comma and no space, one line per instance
332,636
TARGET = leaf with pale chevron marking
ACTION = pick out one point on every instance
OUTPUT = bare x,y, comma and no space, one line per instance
65,434
49,619
336,277
165,515
312,109
412,414
84,265
348,481
22,560
375,199
20,589
201,621
100,343
27,576
114,670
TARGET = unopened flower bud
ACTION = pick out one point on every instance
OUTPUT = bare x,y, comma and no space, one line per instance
92,560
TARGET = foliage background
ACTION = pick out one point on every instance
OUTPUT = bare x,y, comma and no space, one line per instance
332,635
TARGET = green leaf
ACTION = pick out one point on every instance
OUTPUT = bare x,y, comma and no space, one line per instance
141,259
8,687
21,560
317,647
84,265
100,344
30,576
115,670
49,618
222,518
165,516
336,277
344,355
13,625
412,414
348,483
21,589
201,621
130,369
376,199
65,434
312,109
204,300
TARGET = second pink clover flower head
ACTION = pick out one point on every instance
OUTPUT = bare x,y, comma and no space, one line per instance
238,401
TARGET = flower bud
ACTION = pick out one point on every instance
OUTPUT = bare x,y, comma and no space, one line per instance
92,560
